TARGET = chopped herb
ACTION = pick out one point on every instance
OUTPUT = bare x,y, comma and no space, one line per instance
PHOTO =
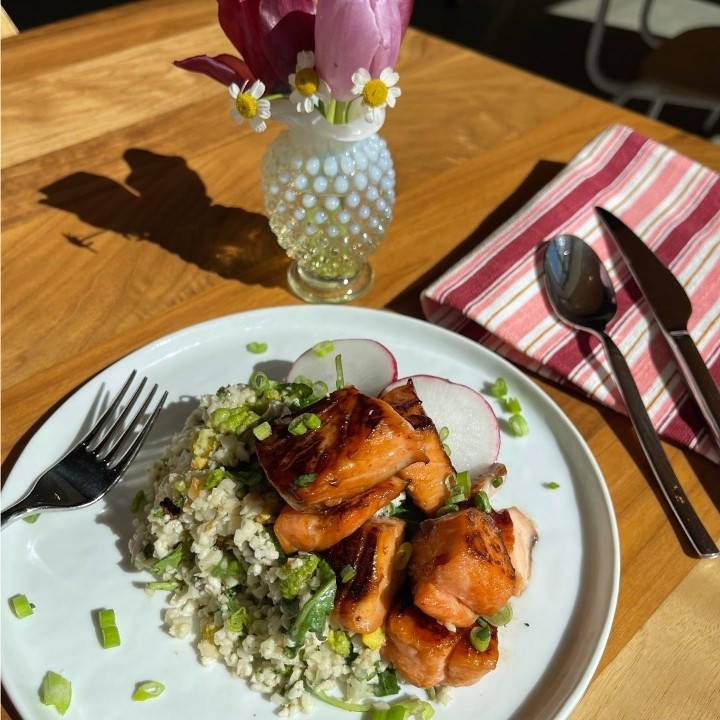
387,683
171,560
499,388
314,613
162,585
347,574
480,637
552,485
56,691
262,431
21,606
497,481
323,348
404,553
259,382
518,425
339,375
148,690
482,502
137,501
257,348
31,518
512,405
239,620
305,480
302,423
443,433
108,628
502,617
403,710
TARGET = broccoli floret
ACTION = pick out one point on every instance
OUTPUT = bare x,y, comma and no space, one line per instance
339,641
296,577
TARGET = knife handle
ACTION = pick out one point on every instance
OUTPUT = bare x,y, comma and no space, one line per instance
664,474
699,379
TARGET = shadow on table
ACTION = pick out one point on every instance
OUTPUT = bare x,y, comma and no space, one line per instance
164,201
408,302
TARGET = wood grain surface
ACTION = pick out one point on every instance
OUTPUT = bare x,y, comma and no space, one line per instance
131,207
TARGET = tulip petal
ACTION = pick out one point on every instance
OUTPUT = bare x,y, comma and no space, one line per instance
240,21
226,69
287,27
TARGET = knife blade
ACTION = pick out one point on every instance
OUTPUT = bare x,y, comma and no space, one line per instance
672,309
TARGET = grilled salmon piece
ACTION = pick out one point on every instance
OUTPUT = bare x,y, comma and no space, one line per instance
362,603
426,653
426,480
519,535
361,442
460,567
315,531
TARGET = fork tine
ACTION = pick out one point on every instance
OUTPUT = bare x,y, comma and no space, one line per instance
109,456
120,420
95,430
132,451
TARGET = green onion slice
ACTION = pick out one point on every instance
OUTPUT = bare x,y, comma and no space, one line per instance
256,347
552,485
21,606
148,690
482,502
347,574
480,637
56,691
502,617
403,556
499,388
137,501
518,425
323,348
262,431
31,518
305,480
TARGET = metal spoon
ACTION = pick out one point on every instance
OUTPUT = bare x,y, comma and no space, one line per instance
583,297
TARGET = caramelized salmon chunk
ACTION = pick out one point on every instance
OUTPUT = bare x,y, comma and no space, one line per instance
313,531
363,601
460,567
426,653
360,442
427,479
519,535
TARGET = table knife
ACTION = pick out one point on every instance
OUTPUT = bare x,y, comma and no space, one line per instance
672,309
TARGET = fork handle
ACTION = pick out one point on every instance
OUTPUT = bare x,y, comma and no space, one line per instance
664,474
22,508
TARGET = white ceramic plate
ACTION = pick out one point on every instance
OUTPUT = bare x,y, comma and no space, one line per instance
71,564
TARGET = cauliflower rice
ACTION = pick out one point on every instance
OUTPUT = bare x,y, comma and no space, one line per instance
205,532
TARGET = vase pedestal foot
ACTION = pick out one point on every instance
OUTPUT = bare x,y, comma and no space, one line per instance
315,289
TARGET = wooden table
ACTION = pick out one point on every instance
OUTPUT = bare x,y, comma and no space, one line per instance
92,269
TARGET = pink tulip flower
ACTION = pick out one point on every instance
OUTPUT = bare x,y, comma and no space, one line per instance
268,34
353,34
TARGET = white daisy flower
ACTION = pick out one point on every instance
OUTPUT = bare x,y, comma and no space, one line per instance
308,89
250,105
376,93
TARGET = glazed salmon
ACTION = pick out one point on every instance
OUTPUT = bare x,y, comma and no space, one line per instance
426,480
426,653
519,535
361,441
460,567
312,532
362,603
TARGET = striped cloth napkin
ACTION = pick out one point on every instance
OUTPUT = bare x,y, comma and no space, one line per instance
496,294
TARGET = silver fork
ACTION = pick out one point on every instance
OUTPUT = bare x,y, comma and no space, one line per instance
91,468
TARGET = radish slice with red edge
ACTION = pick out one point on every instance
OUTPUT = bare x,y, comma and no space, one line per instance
474,431
366,364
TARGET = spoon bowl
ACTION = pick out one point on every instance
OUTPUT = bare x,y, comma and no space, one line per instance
583,297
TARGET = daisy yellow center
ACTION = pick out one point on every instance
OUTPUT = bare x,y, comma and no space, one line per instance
375,93
246,105
307,81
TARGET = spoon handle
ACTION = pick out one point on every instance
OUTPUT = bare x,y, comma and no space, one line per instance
669,484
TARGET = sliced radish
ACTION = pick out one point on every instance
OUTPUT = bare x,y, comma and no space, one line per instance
366,364
474,431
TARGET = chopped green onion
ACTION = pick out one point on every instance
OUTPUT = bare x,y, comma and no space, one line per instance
56,691
256,348
462,480
172,560
499,388
502,617
497,481
137,501
339,375
106,618
238,621
21,606
404,709
480,637
482,502
323,348
347,574
162,585
148,690
110,637
446,509
403,556
259,382
552,485
302,423
387,684
519,425
262,431
31,518
305,480
444,432
512,405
